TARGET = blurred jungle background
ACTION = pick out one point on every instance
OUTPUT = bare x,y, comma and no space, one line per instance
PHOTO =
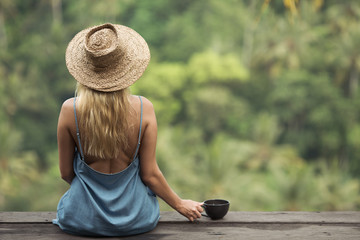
258,102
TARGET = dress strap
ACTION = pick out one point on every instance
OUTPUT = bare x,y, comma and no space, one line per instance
141,117
77,131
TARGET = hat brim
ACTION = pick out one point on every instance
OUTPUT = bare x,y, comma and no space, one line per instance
135,58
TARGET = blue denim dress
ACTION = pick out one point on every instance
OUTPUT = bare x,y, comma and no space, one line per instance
99,204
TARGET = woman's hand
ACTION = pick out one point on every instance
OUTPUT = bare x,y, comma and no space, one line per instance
190,209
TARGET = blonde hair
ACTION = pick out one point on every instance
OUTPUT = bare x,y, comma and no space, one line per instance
103,121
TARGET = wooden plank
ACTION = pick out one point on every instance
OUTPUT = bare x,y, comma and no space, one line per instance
27,217
294,217
232,217
235,225
196,231
274,217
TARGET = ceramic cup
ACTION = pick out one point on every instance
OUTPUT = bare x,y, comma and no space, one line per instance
216,208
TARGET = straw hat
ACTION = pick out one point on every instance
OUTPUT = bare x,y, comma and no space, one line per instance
107,57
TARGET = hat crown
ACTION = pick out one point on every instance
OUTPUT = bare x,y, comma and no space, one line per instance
102,39
101,46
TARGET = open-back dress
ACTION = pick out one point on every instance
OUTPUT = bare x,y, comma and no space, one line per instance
99,204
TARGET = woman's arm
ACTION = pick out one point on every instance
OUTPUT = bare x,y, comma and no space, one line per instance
66,144
151,174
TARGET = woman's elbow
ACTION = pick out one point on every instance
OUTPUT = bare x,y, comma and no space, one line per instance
147,180
150,179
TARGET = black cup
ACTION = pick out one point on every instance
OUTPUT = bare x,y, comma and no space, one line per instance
216,208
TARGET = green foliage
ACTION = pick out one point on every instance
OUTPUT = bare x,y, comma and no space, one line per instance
315,116
253,176
257,101
16,175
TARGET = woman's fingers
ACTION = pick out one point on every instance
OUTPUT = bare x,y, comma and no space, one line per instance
198,214
191,209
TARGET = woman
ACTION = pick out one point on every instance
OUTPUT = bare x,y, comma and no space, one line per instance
107,140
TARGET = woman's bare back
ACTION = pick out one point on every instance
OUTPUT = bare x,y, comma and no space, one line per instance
126,156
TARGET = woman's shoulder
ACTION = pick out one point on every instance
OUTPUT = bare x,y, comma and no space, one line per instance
67,106
148,109
66,116
147,104
68,102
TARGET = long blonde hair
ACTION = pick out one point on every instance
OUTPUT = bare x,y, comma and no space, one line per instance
103,121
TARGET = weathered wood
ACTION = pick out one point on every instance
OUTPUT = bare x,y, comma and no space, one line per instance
27,217
195,231
231,217
235,225
274,217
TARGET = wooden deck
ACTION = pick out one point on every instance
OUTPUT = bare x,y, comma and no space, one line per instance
235,225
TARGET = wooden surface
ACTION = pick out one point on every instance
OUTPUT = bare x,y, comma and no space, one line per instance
235,225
